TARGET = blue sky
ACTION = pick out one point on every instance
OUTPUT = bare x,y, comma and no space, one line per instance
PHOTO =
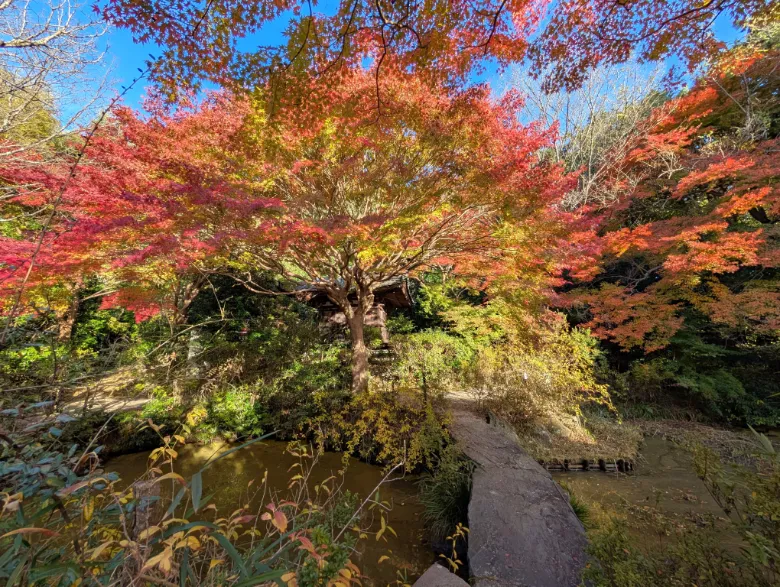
127,57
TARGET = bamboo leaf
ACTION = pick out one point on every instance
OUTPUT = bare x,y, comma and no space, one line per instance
26,531
233,553
176,501
264,578
196,487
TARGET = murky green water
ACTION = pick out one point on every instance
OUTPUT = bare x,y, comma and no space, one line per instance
228,478
663,479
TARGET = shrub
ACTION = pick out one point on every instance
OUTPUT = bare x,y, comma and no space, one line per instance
528,380
313,385
37,353
386,427
31,363
400,324
161,409
445,493
432,360
96,331
707,385
234,413
698,375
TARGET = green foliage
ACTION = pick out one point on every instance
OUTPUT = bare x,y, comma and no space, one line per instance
264,365
309,387
20,364
342,512
432,360
161,409
18,220
39,355
266,362
400,324
235,410
752,498
435,294
445,492
431,302
715,390
617,562
34,470
97,330
581,509
372,335
526,366
733,384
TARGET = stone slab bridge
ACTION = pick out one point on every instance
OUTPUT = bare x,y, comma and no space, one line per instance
522,529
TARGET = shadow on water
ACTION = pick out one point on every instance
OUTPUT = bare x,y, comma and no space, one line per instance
227,480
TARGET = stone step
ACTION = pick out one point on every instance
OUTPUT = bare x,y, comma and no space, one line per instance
438,576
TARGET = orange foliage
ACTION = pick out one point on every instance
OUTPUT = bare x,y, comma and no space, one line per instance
707,208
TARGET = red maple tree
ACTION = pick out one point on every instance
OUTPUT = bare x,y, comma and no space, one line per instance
339,205
443,40
119,217
700,231
436,178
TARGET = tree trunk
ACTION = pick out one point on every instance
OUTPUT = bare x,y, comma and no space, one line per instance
194,351
65,329
360,371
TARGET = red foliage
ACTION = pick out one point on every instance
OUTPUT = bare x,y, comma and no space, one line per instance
348,198
706,212
441,40
581,34
121,214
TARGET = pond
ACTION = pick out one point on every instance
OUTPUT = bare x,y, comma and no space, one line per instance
663,478
227,480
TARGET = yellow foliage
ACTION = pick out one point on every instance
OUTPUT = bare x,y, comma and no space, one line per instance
540,371
387,427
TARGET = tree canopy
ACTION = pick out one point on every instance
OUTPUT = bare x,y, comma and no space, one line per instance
698,232
442,41
351,200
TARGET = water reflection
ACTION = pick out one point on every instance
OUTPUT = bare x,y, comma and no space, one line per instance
227,480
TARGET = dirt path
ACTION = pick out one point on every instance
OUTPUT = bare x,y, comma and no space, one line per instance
112,393
104,403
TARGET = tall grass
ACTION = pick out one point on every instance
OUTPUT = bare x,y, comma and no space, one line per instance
445,493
